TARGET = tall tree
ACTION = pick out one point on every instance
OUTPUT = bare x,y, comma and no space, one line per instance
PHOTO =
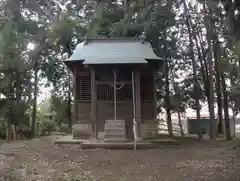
209,26
194,66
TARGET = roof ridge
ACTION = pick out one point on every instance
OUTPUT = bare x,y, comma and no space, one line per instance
113,48
110,38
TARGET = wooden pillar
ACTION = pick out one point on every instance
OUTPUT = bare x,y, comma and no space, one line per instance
154,95
138,98
74,95
93,101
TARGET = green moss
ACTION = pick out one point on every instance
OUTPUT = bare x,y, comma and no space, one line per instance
154,137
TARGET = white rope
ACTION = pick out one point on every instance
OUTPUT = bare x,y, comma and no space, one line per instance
134,105
115,92
134,113
115,84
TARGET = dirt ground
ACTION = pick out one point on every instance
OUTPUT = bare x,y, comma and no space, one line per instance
40,160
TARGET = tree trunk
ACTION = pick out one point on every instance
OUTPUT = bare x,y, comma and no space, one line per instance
7,131
219,102
167,99
125,3
180,124
194,66
18,99
216,50
13,127
34,112
203,63
176,90
204,68
69,108
235,113
225,107
209,26
69,103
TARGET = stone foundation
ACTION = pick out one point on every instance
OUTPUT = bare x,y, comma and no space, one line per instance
113,130
148,129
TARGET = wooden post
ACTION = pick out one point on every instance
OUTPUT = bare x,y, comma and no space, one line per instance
138,99
93,101
154,96
74,95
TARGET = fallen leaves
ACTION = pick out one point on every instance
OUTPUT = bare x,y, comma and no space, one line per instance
40,160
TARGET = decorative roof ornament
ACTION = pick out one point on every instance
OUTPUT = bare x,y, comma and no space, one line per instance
142,37
85,40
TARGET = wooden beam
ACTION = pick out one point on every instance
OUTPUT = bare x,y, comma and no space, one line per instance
154,95
93,101
138,99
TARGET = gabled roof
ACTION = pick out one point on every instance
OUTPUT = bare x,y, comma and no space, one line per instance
113,51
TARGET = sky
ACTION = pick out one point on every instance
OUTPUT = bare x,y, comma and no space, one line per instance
44,94
44,91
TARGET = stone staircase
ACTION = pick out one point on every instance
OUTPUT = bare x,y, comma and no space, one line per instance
115,131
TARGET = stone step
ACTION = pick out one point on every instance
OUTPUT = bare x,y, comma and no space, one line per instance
115,129
114,136
115,140
114,126
115,121
115,133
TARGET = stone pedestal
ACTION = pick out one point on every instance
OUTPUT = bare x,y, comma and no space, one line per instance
82,131
115,131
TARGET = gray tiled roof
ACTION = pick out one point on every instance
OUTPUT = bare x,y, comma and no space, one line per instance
113,51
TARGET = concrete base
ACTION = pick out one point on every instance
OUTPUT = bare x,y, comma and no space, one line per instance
68,139
95,143
126,145
148,129
82,131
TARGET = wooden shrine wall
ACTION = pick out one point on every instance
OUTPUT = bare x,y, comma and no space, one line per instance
147,96
83,95
105,96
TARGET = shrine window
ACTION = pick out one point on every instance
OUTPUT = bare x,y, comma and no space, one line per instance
83,88
105,81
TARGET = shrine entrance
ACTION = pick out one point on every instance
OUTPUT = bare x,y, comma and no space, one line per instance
114,96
